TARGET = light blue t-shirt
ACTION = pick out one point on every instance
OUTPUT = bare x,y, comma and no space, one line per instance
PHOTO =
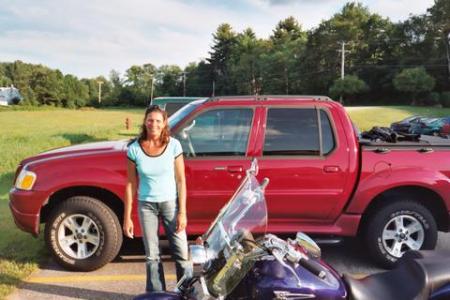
156,173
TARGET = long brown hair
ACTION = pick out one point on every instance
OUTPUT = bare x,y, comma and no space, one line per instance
165,133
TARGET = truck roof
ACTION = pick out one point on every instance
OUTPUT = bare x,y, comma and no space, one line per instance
271,97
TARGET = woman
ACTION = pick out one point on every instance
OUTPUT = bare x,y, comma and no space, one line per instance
156,160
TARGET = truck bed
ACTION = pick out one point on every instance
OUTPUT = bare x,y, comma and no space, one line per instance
424,141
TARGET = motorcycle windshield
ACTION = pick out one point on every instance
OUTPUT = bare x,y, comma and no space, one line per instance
244,215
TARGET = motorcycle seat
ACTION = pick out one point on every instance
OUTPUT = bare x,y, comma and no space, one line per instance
417,276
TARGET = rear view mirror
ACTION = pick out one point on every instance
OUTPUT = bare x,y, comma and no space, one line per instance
308,244
185,131
254,169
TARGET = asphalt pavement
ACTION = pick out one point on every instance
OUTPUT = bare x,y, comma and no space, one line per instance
124,278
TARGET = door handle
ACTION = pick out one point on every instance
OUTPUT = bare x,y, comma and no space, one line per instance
220,168
331,169
235,169
382,150
426,150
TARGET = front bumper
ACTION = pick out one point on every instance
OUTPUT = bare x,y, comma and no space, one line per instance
25,208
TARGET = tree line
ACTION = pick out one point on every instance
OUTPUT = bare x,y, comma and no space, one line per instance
384,63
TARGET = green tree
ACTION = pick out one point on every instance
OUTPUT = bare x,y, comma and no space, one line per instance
138,81
287,30
364,35
116,87
69,96
75,93
224,40
440,15
169,81
347,87
5,81
287,44
414,81
246,64
47,86
92,88
200,79
21,75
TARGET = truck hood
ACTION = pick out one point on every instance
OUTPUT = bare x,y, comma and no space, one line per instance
76,150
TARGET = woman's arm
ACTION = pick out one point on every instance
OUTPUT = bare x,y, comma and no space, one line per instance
181,189
130,191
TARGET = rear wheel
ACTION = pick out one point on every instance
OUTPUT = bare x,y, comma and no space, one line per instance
399,227
83,234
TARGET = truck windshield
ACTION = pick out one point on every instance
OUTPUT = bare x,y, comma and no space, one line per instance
184,111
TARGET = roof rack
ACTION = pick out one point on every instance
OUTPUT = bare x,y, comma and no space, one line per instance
271,97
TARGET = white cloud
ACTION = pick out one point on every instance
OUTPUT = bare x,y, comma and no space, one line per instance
91,38
399,9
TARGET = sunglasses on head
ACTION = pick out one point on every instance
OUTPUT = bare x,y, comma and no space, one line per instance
154,107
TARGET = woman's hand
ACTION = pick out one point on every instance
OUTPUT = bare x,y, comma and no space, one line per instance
181,221
128,228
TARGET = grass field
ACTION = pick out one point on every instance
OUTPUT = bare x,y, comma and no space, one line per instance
367,117
25,133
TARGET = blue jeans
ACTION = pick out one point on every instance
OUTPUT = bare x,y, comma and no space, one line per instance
149,213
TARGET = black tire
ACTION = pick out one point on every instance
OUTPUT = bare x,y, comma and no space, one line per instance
98,241
383,249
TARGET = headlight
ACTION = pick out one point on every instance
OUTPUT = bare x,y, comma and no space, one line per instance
25,180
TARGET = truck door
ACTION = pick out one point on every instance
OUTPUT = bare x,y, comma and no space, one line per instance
306,166
216,145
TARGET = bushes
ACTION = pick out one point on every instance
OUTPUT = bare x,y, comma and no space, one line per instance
445,99
432,99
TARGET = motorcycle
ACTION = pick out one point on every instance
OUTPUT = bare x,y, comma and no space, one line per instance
237,259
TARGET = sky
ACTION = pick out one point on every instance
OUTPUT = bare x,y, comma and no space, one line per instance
92,37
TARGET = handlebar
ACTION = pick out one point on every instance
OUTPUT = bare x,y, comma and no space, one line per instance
313,266
283,253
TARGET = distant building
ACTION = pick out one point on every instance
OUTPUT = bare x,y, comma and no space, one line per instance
9,95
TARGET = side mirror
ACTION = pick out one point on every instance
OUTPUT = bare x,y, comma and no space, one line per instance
254,169
184,133
308,244
199,257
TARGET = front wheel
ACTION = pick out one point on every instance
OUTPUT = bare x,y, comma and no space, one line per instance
398,227
83,234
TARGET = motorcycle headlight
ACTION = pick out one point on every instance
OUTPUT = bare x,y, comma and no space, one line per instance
25,180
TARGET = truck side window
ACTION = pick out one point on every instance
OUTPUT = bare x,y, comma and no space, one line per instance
173,107
220,132
291,131
328,142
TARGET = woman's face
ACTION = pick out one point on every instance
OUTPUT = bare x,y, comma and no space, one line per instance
154,123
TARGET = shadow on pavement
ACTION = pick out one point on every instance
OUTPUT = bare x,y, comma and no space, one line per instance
73,292
350,256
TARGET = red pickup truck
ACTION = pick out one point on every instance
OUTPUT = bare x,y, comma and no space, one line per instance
323,180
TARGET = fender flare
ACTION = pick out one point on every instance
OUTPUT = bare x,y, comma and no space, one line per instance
376,184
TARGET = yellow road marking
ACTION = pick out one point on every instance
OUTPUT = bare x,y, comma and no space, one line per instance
63,279
131,277
358,275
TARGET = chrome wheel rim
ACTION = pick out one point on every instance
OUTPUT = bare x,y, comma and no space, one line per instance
402,233
78,236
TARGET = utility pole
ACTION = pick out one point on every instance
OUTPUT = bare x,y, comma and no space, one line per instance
100,91
184,84
343,59
152,87
447,46
286,77
342,64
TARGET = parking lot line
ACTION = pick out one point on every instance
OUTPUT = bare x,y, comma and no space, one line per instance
65,279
